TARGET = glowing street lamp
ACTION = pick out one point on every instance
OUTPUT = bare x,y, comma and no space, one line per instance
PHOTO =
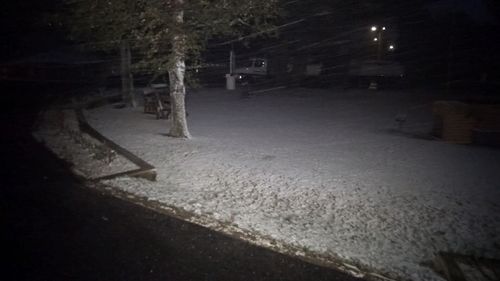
378,32
378,39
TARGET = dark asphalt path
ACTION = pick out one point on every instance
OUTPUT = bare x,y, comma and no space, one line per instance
53,228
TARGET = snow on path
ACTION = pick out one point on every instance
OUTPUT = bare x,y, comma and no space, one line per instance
319,169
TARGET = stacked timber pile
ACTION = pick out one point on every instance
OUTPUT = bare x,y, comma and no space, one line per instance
453,121
462,123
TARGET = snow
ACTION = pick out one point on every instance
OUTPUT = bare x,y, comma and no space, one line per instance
321,170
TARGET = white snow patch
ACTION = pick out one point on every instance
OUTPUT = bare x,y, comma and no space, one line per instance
320,170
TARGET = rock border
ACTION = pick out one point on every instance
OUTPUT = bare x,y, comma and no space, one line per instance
146,170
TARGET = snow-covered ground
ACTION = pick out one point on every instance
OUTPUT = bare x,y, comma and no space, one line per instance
322,170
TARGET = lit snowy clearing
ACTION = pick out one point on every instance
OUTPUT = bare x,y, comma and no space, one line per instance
321,169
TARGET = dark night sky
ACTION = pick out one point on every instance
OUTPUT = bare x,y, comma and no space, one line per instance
22,30
23,33
477,10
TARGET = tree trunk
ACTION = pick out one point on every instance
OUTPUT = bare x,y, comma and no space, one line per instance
126,75
176,77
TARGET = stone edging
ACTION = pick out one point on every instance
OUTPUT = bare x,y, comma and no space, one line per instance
146,170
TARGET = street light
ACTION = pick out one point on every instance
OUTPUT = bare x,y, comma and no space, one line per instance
391,47
378,39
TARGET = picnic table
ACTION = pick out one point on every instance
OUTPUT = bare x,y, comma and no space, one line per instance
157,101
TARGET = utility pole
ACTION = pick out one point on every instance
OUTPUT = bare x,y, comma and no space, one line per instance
230,78
380,45
451,39
126,74
379,38
231,61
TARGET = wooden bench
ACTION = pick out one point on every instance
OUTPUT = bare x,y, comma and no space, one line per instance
157,102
